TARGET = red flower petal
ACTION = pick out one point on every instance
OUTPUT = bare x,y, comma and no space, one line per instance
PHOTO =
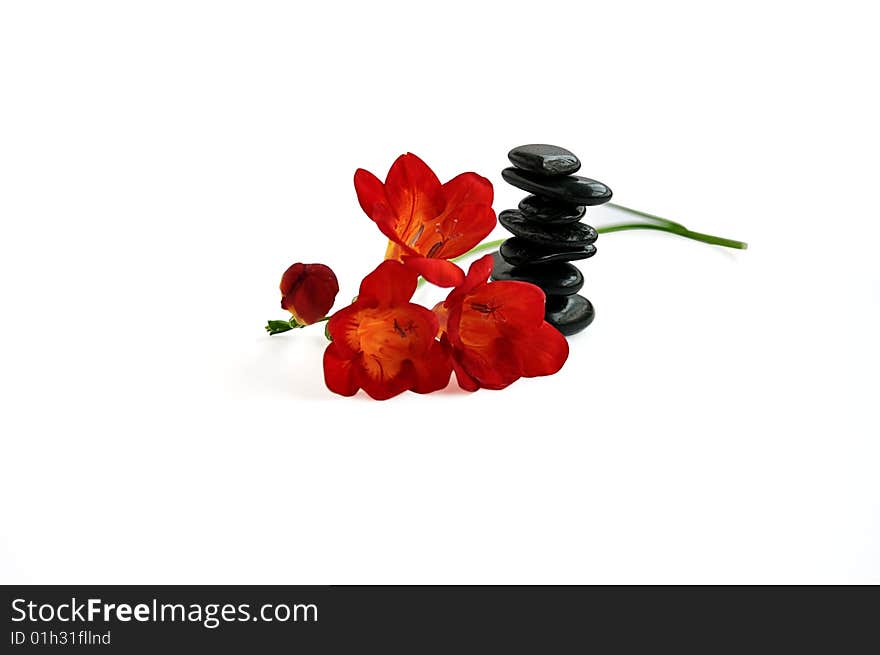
414,195
391,283
467,216
372,199
543,352
494,366
515,307
478,273
436,271
468,188
308,291
497,309
433,371
340,326
339,372
385,388
464,379
471,224
370,192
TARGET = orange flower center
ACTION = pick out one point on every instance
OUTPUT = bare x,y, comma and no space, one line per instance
384,339
480,316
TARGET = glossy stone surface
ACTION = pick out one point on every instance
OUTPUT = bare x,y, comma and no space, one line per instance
550,211
544,159
558,278
572,189
569,314
572,235
518,252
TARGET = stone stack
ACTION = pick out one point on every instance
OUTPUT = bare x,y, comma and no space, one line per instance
548,232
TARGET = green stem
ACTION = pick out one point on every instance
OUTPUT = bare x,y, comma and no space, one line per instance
637,212
665,225
681,231
279,327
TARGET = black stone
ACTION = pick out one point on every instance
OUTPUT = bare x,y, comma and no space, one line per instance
556,279
569,314
550,211
573,235
519,252
572,189
544,160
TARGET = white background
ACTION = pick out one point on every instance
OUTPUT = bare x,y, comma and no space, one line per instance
162,163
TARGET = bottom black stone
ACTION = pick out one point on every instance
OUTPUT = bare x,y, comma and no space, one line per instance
569,314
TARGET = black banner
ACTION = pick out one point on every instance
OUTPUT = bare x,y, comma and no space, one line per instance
159,619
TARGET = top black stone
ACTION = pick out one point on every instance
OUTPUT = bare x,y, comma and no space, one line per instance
571,189
543,159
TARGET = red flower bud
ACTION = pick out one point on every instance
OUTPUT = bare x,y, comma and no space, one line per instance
308,291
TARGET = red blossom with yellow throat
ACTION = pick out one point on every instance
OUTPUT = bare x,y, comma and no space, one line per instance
427,223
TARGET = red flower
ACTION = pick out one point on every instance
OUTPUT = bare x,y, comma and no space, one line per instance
383,343
497,332
308,291
427,222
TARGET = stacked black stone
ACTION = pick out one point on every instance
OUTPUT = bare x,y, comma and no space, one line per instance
548,232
